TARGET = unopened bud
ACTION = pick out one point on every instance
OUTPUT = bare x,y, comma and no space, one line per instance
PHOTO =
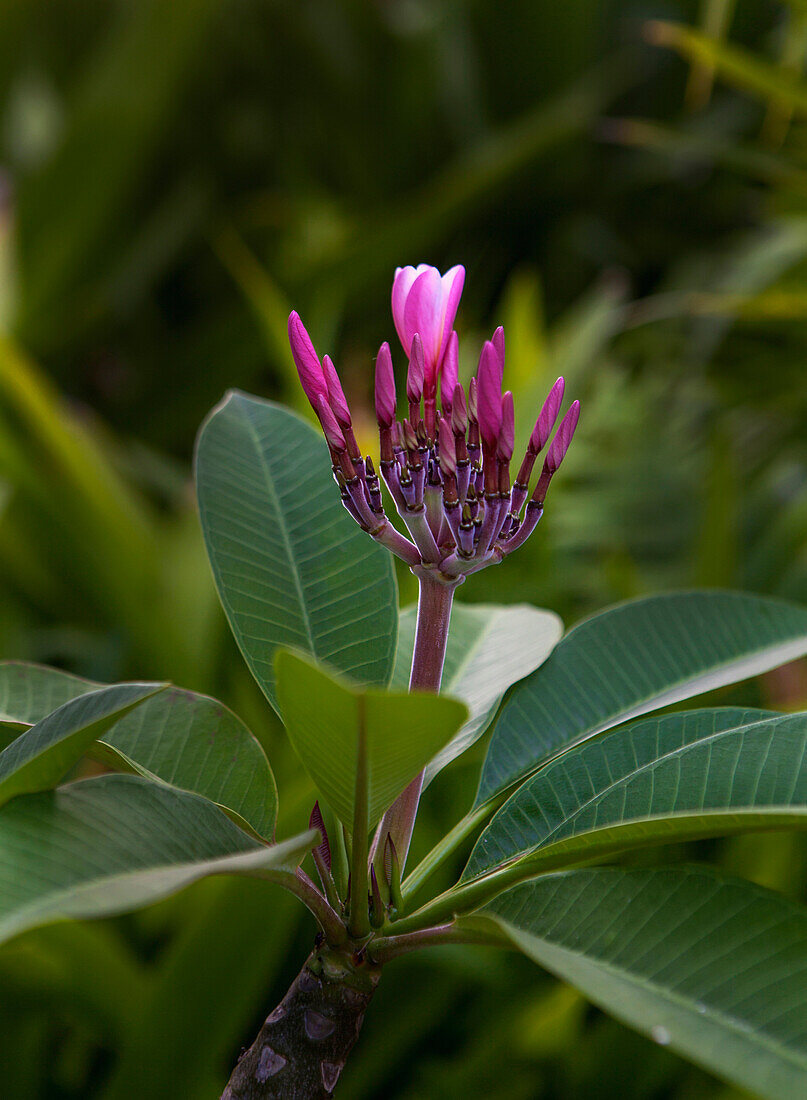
449,373
333,433
459,414
489,396
507,433
336,396
306,360
547,417
384,387
415,374
448,455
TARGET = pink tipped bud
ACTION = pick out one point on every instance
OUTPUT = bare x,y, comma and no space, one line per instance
507,432
498,343
384,387
448,454
410,439
547,417
306,360
449,373
459,415
473,402
563,437
336,396
415,374
333,433
489,395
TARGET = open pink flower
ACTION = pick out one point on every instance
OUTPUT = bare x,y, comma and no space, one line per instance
425,302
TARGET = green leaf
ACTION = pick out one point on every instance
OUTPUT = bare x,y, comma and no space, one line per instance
187,740
712,967
634,658
29,692
41,756
327,719
291,567
671,779
116,843
489,648
197,744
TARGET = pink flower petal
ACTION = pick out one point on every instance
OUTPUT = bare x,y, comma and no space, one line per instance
336,396
547,417
423,314
449,372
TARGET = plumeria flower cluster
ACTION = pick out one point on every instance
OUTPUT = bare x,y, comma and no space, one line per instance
447,468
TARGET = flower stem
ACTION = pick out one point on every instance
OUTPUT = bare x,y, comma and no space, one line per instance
431,637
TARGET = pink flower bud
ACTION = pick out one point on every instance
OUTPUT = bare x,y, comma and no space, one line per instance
306,360
459,416
489,396
384,387
448,454
449,372
423,301
563,438
415,374
333,433
507,432
498,342
547,417
472,400
336,396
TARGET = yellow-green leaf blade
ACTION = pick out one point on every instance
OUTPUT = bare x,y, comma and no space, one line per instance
402,732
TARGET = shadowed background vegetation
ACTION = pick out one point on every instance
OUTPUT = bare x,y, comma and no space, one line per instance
626,183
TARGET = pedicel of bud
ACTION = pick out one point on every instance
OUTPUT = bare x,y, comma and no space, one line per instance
414,376
507,432
306,360
336,396
333,433
449,373
489,396
384,388
426,302
547,417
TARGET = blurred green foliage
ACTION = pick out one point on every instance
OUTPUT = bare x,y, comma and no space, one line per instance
630,200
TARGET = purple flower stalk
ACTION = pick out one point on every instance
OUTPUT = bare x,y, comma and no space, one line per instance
447,468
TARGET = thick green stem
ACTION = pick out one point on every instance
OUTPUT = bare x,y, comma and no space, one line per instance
301,1049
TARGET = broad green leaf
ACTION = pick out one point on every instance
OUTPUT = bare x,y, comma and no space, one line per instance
29,692
712,967
697,774
41,756
489,648
116,843
187,740
327,720
635,658
291,567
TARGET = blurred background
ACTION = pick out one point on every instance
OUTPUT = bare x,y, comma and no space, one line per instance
626,184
